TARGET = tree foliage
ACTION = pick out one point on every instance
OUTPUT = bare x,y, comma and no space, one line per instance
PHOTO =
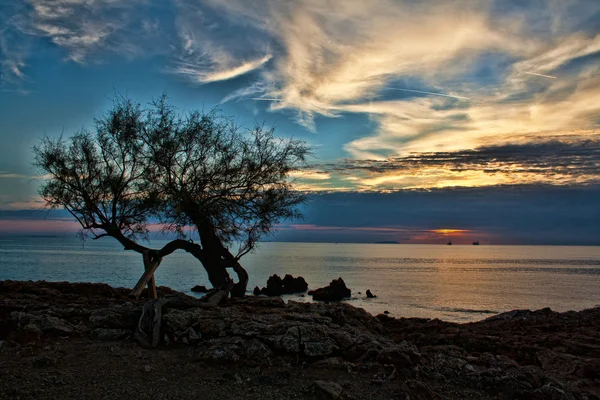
196,170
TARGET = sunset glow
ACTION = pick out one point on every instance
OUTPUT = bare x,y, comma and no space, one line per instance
451,232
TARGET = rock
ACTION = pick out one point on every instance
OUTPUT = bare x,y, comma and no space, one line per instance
256,291
294,285
220,354
402,355
33,326
43,362
231,377
193,337
288,285
336,291
111,334
386,312
332,363
123,316
199,289
327,389
30,333
257,352
274,286
370,295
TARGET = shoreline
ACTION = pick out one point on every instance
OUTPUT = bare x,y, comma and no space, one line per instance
258,347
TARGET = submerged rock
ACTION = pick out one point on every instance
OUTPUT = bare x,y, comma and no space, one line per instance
336,291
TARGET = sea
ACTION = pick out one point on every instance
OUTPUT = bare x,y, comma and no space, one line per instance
460,283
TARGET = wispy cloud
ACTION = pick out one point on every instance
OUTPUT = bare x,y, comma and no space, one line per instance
214,74
8,175
86,27
431,77
542,75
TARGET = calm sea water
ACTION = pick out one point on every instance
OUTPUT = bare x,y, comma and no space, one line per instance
454,283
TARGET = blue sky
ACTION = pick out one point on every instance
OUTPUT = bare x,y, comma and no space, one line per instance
404,102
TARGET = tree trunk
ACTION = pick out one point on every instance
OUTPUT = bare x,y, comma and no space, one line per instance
217,258
150,266
239,289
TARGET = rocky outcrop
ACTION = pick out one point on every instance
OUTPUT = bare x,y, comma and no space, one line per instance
521,354
336,291
277,286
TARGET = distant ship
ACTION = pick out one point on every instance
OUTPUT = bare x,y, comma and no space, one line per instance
476,243
449,243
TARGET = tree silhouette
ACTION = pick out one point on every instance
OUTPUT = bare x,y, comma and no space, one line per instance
198,170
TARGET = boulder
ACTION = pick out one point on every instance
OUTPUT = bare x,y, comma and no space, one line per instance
294,285
288,285
336,291
199,289
274,286
370,295
256,291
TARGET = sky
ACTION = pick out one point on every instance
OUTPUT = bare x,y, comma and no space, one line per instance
430,121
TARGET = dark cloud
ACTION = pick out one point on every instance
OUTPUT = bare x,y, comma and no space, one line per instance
579,159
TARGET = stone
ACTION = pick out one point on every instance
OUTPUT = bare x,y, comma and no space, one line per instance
199,289
319,349
43,362
294,285
276,286
327,389
111,334
256,351
332,363
336,291
402,355
45,323
220,354
147,368
256,291
231,377
124,316
30,333
290,342
193,336
370,295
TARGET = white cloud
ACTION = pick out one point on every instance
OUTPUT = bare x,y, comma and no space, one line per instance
204,75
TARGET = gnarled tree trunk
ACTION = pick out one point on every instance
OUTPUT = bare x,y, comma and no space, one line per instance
217,258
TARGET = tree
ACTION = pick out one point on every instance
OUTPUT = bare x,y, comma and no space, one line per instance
198,170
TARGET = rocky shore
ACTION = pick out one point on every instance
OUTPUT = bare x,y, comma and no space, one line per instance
76,340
